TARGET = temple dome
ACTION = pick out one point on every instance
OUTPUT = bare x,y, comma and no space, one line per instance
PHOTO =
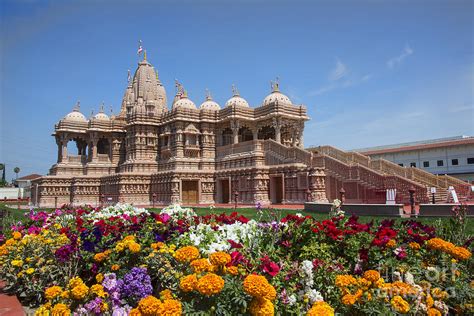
101,116
237,100
75,115
276,96
184,102
210,104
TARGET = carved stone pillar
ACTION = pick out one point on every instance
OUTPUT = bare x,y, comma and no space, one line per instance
234,125
277,126
58,142
317,185
64,150
94,141
255,134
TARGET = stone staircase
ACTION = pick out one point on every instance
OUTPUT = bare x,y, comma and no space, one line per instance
375,175
390,169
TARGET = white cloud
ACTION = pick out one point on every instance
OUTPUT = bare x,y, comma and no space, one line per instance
339,71
322,90
395,61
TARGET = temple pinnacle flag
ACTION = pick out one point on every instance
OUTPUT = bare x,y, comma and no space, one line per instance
140,48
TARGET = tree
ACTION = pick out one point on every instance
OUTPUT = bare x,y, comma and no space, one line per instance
3,182
17,171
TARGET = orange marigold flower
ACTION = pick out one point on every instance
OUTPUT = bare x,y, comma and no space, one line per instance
115,267
429,301
99,257
210,284
232,270
186,254
433,312
461,253
344,280
372,275
75,282
157,245
170,307
52,292
149,305
134,247
135,312
188,283
261,307
80,291
60,310
220,258
258,286
414,245
349,299
321,308
16,235
400,305
391,243
201,265
166,295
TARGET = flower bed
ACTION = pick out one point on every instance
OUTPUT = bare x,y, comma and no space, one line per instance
126,261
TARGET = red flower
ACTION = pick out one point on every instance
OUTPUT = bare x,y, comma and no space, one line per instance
269,266
233,244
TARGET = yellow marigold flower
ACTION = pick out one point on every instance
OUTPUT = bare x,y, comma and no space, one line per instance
166,295
80,291
188,283
149,305
401,288
364,283
52,292
98,290
17,263
414,245
16,235
220,258
210,284
433,312
391,243
232,270
134,247
261,307
188,253
201,265
129,238
115,267
30,271
104,307
19,274
400,305
119,247
321,308
65,294
75,282
60,310
372,275
258,286
44,310
344,280
170,307
99,277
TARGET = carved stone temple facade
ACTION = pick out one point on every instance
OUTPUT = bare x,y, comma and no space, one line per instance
151,154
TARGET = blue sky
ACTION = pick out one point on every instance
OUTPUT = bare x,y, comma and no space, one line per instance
370,72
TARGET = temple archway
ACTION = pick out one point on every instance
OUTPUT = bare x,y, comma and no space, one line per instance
103,146
266,132
226,137
245,134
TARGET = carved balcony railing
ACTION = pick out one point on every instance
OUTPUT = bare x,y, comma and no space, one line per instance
77,159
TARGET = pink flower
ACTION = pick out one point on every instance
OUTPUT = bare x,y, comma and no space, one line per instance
269,266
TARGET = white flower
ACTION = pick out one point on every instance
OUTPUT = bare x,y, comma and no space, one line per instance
299,214
291,299
409,278
314,296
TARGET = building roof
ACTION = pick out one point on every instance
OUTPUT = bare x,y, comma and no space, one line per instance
424,144
30,177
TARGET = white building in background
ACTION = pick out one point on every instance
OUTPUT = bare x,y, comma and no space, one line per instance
452,155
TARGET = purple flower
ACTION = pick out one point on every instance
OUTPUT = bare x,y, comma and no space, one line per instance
136,285
110,282
94,305
64,253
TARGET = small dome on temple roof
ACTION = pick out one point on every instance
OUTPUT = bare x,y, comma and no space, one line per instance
209,103
75,115
184,102
276,96
236,99
101,115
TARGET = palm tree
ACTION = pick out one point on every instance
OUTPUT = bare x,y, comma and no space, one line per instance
17,171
